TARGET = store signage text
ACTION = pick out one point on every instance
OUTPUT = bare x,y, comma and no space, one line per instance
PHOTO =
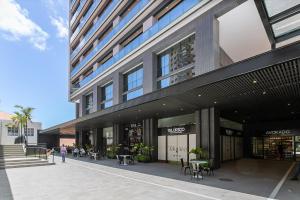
176,130
279,132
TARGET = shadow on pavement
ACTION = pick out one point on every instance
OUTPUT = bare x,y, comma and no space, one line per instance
251,176
5,189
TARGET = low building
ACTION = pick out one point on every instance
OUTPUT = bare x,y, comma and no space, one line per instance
11,134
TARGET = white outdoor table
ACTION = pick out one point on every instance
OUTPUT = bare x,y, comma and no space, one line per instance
124,159
94,155
199,162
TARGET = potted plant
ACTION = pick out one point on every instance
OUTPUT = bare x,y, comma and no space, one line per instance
199,152
112,151
142,152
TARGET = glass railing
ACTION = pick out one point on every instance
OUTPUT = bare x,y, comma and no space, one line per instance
107,12
82,2
178,11
85,18
139,6
72,4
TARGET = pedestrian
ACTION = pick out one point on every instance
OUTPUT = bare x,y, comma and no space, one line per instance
63,152
295,178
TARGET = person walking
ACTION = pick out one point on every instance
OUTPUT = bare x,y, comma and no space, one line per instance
295,177
63,152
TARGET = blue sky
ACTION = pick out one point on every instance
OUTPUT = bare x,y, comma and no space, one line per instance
34,59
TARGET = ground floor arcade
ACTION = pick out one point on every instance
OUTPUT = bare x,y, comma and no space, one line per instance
247,109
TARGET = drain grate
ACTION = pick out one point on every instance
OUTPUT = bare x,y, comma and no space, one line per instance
226,179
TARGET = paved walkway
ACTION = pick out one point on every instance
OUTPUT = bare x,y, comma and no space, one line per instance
106,180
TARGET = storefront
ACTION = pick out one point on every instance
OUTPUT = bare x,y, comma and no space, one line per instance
176,137
231,142
277,144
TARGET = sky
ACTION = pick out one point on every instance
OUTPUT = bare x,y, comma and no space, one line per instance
34,59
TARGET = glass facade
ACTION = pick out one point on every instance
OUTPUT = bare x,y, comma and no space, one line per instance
107,96
133,84
88,103
162,23
177,63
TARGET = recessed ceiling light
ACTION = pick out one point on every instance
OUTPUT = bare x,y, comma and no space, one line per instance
164,104
215,102
289,104
235,111
254,81
181,109
292,112
264,92
199,95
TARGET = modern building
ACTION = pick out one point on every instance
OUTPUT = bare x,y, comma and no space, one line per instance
11,134
178,74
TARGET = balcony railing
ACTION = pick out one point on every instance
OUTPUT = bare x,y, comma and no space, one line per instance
81,4
139,6
107,12
85,18
170,17
72,4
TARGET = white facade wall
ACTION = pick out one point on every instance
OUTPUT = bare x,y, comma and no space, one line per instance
5,139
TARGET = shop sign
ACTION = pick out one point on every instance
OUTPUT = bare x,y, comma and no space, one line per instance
279,132
176,130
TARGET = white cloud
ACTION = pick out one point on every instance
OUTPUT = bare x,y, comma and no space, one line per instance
16,25
57,9
61,26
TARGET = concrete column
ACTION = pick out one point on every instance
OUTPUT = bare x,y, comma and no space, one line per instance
149,23
99,139
117,88
82,105
80,138
116,21
96,98
198,127
118,134
116,49
210,133
150,136
207,48
77,110
150,72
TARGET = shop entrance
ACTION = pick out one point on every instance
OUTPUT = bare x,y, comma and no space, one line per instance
174,147
275,147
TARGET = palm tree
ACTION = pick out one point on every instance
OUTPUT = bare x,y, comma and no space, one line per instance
19,120
27,115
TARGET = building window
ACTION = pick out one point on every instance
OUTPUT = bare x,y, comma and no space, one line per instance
12,131
177,63
133,86
107,96
29,131
88,103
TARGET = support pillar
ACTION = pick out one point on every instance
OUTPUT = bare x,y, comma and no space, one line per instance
118,134
117,88
208,132
207,46
150,137
150,72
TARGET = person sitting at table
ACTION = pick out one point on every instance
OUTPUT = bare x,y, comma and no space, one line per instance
76,152
82,152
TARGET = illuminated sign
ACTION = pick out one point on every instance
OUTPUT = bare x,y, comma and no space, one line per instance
279,132
176,130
